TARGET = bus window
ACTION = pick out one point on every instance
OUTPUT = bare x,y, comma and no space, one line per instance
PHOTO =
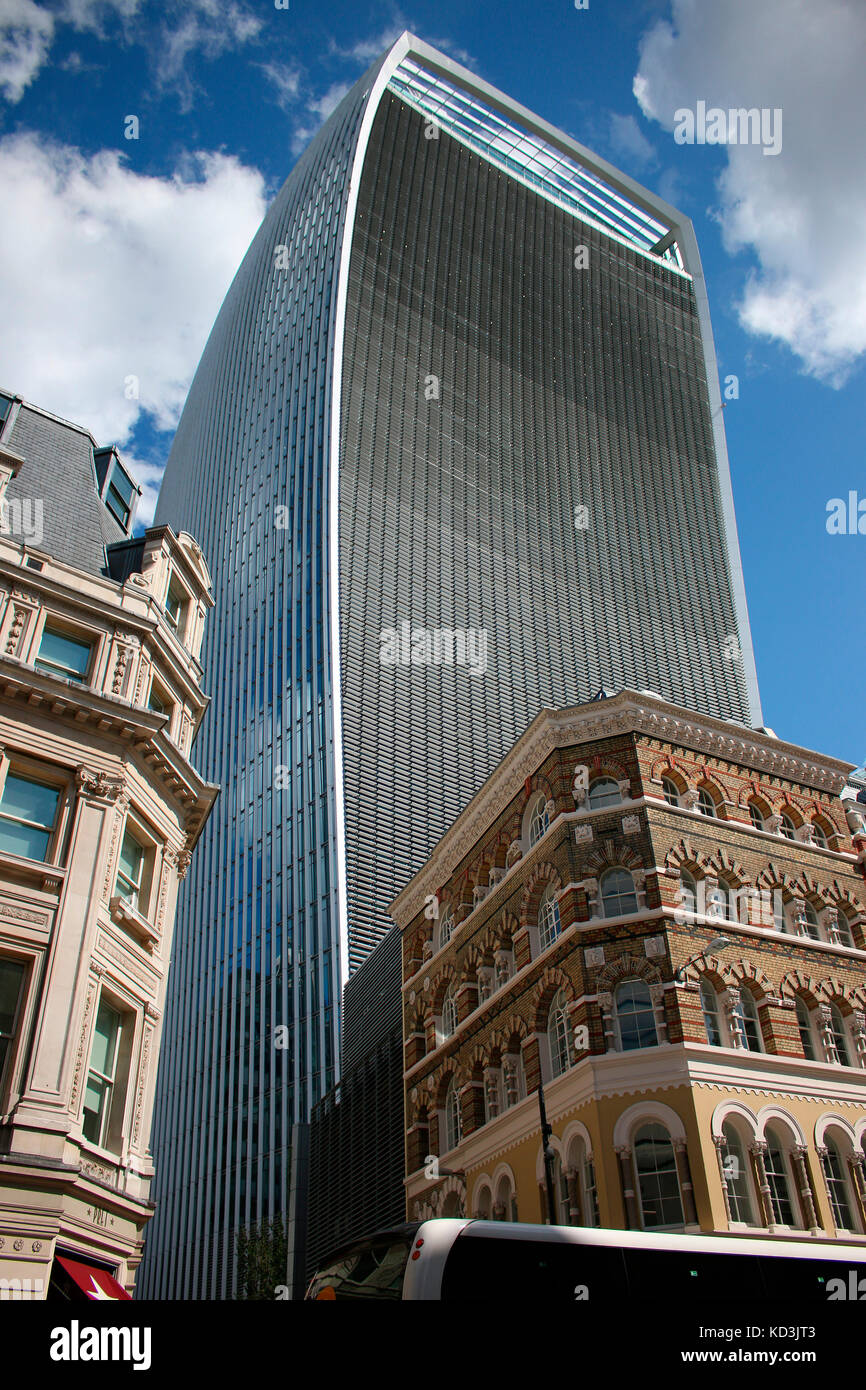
685,1277
481,1267
371,1269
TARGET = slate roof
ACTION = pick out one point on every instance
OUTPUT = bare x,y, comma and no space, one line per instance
58,470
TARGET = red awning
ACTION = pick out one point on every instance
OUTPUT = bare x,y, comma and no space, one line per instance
94,1283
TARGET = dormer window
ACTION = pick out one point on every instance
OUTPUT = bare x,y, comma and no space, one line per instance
120,495
5,407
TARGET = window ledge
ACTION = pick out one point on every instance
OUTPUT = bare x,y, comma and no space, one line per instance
51,876
127,916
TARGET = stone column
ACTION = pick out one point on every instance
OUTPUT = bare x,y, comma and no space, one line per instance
605,1004
719,1143
810,1206
575,1211
857,1165
758,1150
685,1180
626,1174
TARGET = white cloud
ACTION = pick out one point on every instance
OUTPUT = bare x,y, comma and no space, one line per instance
92,14
212,27
286,82
324,105
116,276
629,141
803,211
366,49
26,32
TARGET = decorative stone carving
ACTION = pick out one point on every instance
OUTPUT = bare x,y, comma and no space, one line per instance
773,824
98,784
496,876
515,852
580,787
654,946
594,957
582,834
690,800
631,825
479,893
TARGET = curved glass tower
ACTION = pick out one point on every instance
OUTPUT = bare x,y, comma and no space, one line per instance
454,453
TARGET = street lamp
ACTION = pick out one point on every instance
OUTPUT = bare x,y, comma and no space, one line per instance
718,943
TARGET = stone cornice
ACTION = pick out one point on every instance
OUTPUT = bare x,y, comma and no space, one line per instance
627,712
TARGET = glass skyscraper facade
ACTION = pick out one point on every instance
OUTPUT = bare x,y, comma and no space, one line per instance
462,390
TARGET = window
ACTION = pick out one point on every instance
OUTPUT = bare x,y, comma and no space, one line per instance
604,791
62,655
837,1186
844,936
557,1034
453,1117
819,835
737,1176
160,702
746,1012
839,1035
5,407
11,988
98,1094
494,1101
706,804
446,928
549,924
710,1007
804,1025
670,792
776,1165
618,897
810,921
449,1013
755,814
688,892
28,817
539,822
175,607
657,1179
722,901
787,828
635,1015
130,870
119,496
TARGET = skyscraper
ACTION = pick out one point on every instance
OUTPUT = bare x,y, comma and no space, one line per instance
455,453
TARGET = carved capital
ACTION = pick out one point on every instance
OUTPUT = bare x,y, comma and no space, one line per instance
97,784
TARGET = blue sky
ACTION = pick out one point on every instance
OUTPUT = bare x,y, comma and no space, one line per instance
116,253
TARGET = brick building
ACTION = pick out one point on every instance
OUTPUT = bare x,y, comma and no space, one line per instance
661,915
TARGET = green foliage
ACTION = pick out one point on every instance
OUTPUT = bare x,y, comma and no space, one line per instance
261,1255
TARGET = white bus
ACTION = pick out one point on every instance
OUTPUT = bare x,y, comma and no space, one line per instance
467,1260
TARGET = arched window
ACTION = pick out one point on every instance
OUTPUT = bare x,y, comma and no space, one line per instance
635,1015
657,1178
453,1116
787,828
804,1026
549,924
560,1191
670,792
712,1020
778,1178
582,1165
837,1186
505,1208
819,835
618,895
746,1011
557,1034
839,1034
503,967
449,1013
756,817
737,1176
604,791
688,892
483,1202
810,921
722,901
539,821
706,804
844,935
446,927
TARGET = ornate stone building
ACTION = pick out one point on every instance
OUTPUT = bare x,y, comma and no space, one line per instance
100,806
661,915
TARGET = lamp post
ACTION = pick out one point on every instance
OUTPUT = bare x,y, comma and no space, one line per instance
547,1153
718,943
